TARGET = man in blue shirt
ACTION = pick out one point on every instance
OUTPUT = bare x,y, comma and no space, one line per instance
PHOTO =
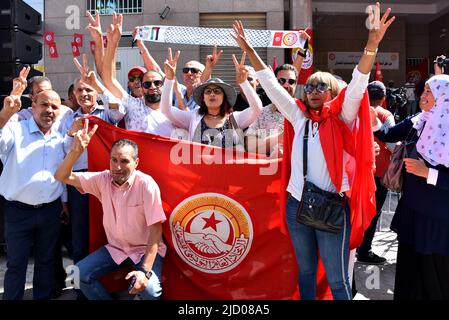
31,151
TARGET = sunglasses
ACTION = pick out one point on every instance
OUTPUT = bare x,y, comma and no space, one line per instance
213,90
320,87
282,81
147,84
192,70
134,78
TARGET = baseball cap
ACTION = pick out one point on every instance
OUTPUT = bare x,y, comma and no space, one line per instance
139,69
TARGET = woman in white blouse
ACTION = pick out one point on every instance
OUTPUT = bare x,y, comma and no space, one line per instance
329,118
213,123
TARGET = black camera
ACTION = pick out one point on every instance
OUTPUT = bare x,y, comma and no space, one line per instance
442,62
397,102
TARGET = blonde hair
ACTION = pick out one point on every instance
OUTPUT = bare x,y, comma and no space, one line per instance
324,77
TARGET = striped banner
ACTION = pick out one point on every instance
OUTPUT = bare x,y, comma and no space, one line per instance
219,36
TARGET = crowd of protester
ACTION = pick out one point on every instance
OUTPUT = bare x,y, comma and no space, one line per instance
47,145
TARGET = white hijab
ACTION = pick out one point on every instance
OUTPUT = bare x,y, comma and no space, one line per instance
433,144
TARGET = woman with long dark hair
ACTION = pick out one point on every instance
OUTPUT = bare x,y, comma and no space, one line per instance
214,122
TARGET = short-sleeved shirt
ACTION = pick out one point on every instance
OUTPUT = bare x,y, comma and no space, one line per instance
128,211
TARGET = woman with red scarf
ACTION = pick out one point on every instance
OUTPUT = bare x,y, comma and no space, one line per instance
340,158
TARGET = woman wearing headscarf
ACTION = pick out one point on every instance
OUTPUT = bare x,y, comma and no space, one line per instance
213,123
329,116
421,220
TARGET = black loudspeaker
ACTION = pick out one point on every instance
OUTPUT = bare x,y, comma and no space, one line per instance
19,46
10,70
16,14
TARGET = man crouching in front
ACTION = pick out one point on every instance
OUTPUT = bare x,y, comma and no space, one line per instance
132,219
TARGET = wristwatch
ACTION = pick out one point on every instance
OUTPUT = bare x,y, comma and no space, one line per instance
369,52
148,274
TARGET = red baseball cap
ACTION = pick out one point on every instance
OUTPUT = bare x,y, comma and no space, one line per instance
139,69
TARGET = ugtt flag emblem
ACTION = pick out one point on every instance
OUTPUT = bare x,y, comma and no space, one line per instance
225,235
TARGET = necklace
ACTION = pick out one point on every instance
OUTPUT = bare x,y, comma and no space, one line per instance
215,116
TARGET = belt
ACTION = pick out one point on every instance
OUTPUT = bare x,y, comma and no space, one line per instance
82,170
34,206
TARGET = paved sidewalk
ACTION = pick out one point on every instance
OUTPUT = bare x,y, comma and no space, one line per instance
372,282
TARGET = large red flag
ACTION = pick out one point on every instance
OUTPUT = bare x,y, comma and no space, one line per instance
225,233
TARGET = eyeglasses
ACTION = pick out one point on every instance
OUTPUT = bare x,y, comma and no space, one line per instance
320,87
147,84
282,81
192,70
134,78
213,90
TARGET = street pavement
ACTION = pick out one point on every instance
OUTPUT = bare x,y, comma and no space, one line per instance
372,282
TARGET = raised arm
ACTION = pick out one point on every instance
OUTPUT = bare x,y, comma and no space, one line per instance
20,83
94,27
148,60
177,117
87,75
108,66
360,76
245,118
211,61
80,142
280,97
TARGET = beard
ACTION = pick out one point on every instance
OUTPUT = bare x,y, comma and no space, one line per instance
152,98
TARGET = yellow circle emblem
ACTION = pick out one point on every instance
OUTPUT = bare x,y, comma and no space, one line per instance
211,232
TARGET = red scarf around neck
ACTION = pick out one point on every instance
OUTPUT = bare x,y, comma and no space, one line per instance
335,136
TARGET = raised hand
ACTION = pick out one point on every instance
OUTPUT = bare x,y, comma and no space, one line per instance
20,83
12,104
94,26
115,29
170,64
86,75
239,35
241,73
212,59
377,26
82,137
76,126
139,43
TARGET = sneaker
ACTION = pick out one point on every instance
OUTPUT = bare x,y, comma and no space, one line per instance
370,258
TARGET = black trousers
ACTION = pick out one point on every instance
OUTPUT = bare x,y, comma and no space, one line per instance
420,276
381,195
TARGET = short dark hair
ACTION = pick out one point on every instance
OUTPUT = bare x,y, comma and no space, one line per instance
127,142
286,67
70,90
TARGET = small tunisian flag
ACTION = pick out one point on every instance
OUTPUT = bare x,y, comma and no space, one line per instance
225,234
75,50
53,50
49,37
78,39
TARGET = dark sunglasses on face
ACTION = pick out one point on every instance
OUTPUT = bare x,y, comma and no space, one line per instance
283,80
147,84
192,70
134,78
214,90
320,87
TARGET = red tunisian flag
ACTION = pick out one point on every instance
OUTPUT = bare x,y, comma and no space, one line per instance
225,233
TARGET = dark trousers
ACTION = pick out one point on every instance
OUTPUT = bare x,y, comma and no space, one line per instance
381,195
24,227
420,276
79,219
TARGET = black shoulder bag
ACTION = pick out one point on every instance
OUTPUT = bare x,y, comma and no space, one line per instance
319,209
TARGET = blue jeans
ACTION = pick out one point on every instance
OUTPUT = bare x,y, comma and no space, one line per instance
100,263
25,227
333,249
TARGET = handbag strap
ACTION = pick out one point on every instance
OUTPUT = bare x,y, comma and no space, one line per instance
304,150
